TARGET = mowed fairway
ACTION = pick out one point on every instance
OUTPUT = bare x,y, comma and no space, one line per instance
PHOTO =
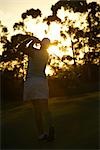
76,122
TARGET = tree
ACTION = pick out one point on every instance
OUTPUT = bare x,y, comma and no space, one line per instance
77,6
29,13
3,36
93,31
68,27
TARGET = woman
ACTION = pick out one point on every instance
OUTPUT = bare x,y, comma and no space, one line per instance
36,88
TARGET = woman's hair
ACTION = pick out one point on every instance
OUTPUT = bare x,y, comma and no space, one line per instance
45,41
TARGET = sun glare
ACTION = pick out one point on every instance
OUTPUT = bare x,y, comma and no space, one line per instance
37,28
54,31
54,50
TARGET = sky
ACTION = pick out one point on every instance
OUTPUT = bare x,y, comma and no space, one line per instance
11,10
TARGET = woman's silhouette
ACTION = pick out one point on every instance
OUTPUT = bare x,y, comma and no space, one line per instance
36,87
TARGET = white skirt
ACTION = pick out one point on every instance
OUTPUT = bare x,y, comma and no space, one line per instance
36,88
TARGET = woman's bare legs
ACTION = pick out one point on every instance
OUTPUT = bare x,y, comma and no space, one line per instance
38,116
48,121
42,115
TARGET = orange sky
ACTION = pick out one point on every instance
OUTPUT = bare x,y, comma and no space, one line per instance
11,10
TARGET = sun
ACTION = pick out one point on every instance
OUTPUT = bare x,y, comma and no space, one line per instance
54,31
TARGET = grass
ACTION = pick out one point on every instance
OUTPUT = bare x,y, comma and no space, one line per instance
76,122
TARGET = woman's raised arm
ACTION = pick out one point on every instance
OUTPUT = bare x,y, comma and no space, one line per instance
27,46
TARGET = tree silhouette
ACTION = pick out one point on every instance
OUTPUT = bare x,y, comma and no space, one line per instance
80,38
75,33
33,13
93,32
80,35
4,33
76,5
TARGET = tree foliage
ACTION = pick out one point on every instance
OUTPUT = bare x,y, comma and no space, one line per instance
76,6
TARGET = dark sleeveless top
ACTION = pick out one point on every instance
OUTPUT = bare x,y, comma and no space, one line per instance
37,63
